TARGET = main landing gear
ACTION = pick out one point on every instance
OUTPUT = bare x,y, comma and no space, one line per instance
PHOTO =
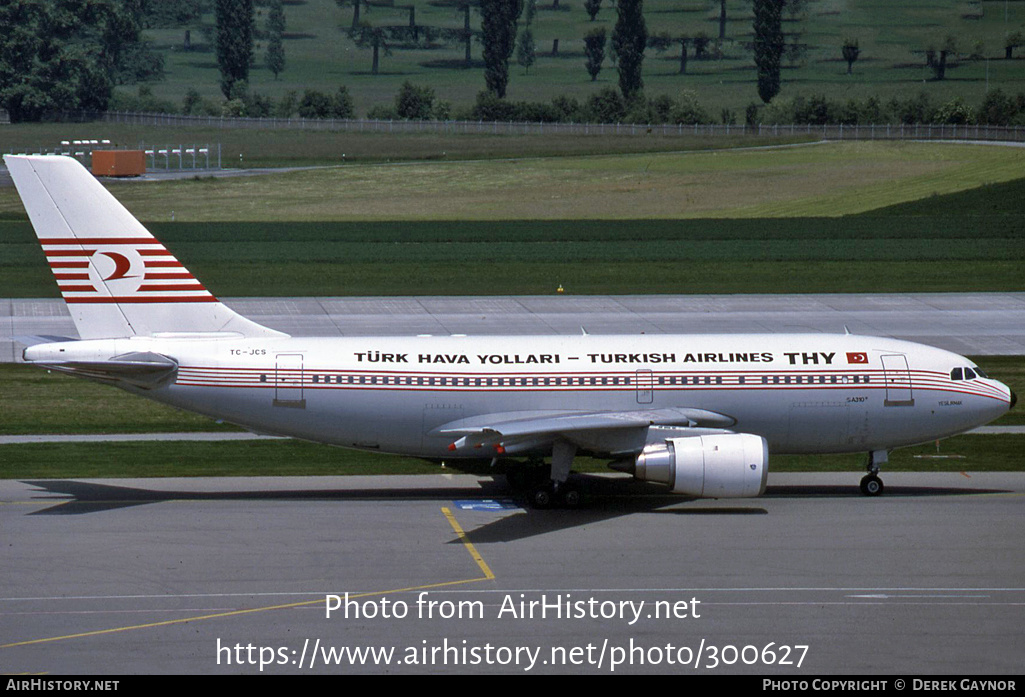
548,486
871,484
555,495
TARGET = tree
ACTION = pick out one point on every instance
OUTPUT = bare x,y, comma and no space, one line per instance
594,49
937,58
192,103
592,7
355,10
315,105
466,35
275,58
63,56
529,11
662,42
629,38
343,106
414,102
234,42
997,109
123,53
288,104
768,46
955,111
526,51
850,53
1012,41
367,35
171,13
498,27
276,17
607,106
701,42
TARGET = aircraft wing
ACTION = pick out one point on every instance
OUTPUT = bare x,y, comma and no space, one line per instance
527,428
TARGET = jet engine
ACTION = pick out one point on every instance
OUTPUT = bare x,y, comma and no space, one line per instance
732,465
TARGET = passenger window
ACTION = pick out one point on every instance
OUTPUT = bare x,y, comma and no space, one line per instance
957,374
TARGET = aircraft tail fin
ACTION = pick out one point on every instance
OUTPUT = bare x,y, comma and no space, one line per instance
117,279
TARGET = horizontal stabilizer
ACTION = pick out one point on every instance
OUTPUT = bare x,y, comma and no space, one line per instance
141,369
34,339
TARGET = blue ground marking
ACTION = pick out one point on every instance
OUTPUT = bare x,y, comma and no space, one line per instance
485,504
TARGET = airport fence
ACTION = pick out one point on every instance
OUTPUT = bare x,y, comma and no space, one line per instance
191,156
827,132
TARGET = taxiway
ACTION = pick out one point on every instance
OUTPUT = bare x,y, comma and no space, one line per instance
182,575
965,323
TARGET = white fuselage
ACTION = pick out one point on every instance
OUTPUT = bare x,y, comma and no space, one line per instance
804,393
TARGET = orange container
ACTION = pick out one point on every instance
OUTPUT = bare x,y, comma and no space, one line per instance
119,163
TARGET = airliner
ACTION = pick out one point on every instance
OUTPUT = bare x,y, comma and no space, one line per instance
697,413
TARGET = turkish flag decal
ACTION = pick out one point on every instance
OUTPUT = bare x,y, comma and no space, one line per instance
857,357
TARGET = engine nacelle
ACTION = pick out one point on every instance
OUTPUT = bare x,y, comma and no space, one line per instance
732,465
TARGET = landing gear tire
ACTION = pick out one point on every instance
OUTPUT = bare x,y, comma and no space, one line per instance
570,497
871,485
542,498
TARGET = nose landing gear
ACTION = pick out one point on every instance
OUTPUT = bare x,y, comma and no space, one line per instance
871,484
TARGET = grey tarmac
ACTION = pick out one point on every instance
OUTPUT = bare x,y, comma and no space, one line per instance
215,575
965,323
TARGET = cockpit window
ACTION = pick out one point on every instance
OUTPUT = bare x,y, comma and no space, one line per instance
957,374
969,374
981,373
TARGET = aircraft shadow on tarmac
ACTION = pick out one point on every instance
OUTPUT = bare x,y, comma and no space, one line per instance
605,499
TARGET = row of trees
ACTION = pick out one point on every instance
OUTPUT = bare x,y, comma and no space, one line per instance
70,54
996,109
607,105
62,55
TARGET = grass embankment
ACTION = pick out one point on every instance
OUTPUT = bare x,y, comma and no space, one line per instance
627,224
33,400
804,255
826,179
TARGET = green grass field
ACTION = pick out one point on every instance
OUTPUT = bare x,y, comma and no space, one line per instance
902,218
891,37
828,179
